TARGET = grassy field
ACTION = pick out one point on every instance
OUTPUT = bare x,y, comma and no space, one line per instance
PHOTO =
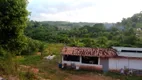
48,69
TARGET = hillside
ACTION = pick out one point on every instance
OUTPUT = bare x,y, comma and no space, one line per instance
123,33
25,44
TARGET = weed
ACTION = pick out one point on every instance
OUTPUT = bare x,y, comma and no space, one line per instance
30,60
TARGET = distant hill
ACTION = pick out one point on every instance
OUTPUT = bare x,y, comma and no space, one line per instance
69,25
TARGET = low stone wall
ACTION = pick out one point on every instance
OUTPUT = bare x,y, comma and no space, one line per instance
85,67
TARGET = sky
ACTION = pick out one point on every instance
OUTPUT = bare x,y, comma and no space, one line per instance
110,11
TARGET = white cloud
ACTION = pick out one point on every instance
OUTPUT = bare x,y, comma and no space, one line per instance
30,0
83,10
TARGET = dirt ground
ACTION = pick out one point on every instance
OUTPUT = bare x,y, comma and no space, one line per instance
89,77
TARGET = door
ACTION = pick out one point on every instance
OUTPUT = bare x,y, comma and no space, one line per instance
104,62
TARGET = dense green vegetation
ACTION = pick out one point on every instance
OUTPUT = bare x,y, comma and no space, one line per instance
124,33
12,23
21,39
13,42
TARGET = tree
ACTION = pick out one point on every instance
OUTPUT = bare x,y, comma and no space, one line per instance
102,42
13,17
98,27
89,42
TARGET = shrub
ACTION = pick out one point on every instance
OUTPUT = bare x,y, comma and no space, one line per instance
7,63
32,47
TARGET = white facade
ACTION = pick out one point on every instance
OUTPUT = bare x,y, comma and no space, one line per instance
132,60
130,63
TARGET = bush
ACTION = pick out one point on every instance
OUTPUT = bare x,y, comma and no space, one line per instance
7,63
32,47
2,52
26,75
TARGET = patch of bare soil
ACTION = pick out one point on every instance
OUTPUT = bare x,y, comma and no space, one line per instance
31,69
13,78
89,77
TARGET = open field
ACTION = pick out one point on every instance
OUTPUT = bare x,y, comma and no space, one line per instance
42,69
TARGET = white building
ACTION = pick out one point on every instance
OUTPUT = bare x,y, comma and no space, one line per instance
127,57
104,59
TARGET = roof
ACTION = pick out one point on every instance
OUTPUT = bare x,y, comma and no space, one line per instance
129,52
84,51
127,48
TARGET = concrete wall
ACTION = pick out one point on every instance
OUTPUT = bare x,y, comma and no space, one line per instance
118,63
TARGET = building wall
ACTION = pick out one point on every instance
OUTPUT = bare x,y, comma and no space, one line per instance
83,65
135,63
110,63
118,63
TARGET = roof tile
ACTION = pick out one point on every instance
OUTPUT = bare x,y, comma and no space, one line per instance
84,51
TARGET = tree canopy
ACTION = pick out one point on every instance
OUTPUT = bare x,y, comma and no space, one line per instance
89,35
13,18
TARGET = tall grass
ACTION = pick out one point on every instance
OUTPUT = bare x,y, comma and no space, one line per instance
29,60
122,77
8,65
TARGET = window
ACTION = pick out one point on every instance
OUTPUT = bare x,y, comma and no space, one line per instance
139,51
134,51
90,60
128,51
71,58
